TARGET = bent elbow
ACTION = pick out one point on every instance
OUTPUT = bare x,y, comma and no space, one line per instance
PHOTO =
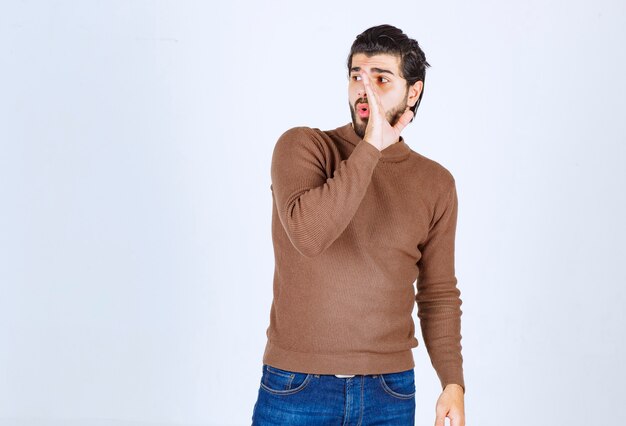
309,253
305,243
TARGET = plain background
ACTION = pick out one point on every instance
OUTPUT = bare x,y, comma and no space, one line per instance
135,249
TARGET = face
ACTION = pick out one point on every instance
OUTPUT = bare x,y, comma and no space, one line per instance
391,87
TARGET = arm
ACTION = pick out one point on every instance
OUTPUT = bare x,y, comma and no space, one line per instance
439,310
314,209
437,295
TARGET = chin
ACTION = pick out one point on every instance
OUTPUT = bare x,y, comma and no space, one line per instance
358,124
359,128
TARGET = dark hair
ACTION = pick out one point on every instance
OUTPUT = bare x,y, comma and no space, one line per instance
391,40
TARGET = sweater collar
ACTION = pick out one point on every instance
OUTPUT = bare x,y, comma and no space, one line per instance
394,152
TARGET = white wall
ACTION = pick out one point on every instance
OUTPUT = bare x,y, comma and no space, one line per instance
135,248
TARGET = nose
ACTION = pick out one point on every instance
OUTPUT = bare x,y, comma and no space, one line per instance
359,86
360,92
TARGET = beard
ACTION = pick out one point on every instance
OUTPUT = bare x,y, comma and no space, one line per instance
393,115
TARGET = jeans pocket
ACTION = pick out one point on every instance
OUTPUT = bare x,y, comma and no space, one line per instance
400,385
283,382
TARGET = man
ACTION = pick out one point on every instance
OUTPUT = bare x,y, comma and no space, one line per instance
358,217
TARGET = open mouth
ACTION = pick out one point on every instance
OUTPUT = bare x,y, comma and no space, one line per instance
363,110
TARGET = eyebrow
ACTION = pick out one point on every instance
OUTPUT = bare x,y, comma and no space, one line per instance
374,69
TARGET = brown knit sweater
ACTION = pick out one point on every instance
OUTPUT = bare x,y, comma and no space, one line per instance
353,228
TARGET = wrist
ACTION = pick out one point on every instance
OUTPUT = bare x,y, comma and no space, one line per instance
375,145
454,386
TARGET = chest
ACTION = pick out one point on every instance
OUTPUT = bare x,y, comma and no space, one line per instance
395,214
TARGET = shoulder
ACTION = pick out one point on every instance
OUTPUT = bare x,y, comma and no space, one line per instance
300,134
301,142
435,173
302,139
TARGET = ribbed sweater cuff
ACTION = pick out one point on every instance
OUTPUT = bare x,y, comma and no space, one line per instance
366,149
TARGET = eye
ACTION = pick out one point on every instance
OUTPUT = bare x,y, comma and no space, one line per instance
383,78
356,77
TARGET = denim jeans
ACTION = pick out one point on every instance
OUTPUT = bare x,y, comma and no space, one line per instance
294,398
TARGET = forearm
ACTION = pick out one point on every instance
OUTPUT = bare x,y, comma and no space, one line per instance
439,311
438,298
313,209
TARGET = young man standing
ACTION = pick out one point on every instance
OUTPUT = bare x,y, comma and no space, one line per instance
358,217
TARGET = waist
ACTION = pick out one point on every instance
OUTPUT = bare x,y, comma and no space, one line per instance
364,363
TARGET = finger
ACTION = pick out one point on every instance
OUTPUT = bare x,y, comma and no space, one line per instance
372,96
440,420
457,421
454,421
440,416
404,120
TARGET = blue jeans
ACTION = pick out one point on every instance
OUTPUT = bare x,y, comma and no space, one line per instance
293,398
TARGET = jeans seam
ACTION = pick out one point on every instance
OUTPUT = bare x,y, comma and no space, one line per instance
274,371
392,392
303,385
362,408
347,410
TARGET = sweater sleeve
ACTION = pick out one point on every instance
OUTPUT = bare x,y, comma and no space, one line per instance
314,209
438,298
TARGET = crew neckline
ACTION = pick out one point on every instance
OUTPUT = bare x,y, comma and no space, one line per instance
394,152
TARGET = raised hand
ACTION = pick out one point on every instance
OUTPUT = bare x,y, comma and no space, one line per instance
378,131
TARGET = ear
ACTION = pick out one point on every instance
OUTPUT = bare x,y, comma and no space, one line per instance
414,93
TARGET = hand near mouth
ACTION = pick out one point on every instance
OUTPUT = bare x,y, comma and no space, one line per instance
379,132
